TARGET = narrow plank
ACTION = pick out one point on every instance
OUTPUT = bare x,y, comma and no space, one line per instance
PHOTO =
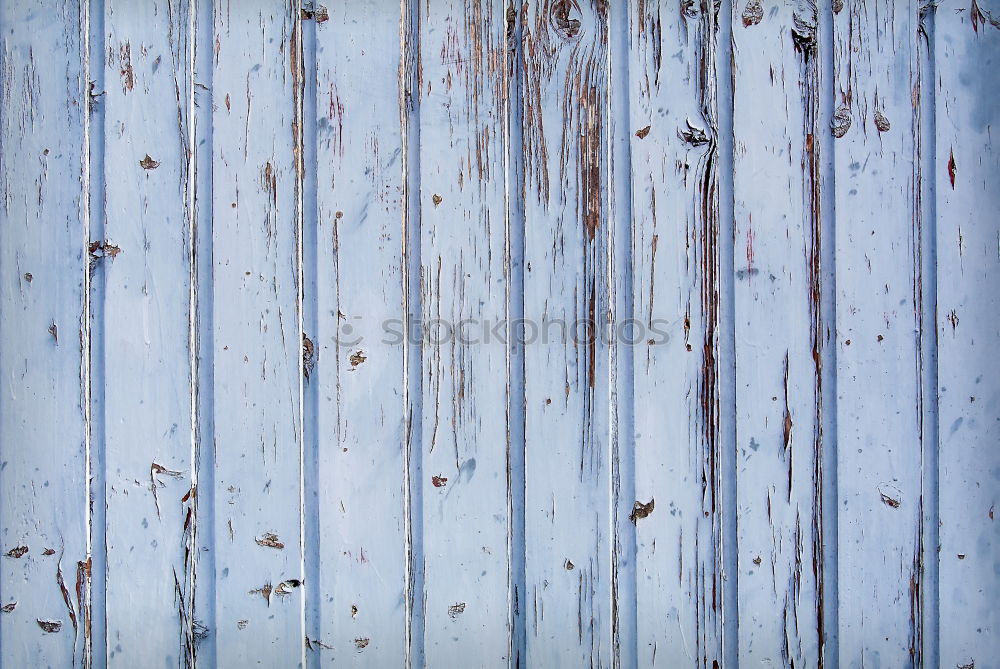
778,360
202,205
358,372
146,268
43,457
567,298
462,175
878,323
257,338
966,164
676,266
627,333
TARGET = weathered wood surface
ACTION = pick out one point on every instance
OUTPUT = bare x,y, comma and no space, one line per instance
879,302
567,597
357,549
964,173
141,320
44,336
779,361
554,333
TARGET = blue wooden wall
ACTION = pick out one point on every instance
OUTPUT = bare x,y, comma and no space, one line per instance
482,333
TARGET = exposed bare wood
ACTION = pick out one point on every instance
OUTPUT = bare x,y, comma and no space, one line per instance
487,333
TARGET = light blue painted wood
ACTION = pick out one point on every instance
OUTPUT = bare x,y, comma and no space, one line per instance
256,338
463,145
879,394
779,361
183,248
676,264
44,335
146,270
567,298
966,162
358,373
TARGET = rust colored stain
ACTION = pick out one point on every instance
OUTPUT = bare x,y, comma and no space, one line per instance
17,551
753,13
641,510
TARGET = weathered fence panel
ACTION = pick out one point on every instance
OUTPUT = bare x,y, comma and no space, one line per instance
461,84
965,164
357,553
141,321
673,55
44,336
878,304
440,333
779,362
256,335
567,600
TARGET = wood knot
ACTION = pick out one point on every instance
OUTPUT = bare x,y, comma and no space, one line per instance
753,13
641,510
562,23
881,122
841,122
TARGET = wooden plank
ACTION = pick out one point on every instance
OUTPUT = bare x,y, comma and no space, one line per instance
43,327
202,204
675,154
778,359
879,402
568,529
966,164
145,262
257,338
462,177
358,373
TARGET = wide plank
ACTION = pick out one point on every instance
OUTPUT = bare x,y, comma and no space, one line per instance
45,335
463,481
879,395
779,370
567,296
354,358
966,161
677,511
256,335
144,257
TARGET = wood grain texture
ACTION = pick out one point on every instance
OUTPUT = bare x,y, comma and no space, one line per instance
966,164
567,299
144,257
675,153
257,338
778,360
357,370
462,176
44,334
879,403
544,333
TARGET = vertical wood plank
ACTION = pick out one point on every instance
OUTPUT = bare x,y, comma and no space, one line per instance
146,269
43,492
358,351
202,205
878,320
43,457
568,529
778,359
675,167
463,93
257,338
966,164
